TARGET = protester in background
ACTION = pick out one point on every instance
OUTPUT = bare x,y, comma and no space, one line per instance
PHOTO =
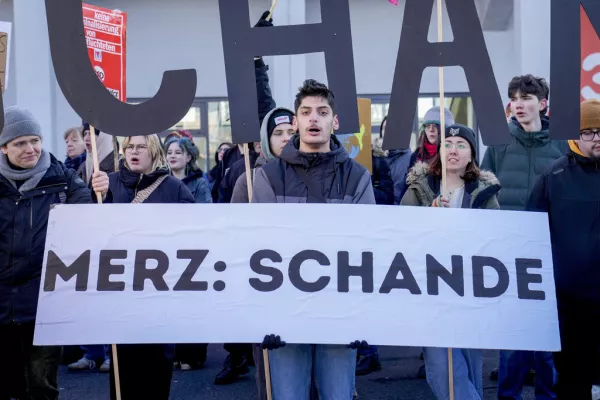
222,193
31,182
570,193
429,138
214,171
467,187
104,146
398,161
275,132
145,370
381,177
518,166
75,148
313,168
182,156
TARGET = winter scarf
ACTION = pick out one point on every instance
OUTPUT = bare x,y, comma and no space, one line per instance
31,176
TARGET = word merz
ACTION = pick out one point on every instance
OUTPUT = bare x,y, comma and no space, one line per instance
435,273
80,270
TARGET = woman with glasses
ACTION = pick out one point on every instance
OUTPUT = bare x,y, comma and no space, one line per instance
145,370
467,187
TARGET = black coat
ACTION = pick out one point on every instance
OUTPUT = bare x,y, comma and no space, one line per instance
265,104
383,184
124,185
570,193
23,223
232,174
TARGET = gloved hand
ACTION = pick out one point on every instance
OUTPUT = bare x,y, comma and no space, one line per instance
272,342
358,345
262,22
440,201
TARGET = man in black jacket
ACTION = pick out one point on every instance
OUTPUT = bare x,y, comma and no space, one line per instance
31,181
570,193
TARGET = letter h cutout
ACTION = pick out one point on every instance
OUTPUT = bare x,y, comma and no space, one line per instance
241,43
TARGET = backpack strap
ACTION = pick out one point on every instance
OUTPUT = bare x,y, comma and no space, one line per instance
143,195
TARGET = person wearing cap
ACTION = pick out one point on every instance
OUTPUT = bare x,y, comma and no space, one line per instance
275,132
518,165
31,181
569,191
428,141
467,187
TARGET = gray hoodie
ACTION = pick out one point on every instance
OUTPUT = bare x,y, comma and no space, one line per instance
240,190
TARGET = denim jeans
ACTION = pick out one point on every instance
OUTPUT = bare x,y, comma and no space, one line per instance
97,352
292,367
513,368
27,371
467,367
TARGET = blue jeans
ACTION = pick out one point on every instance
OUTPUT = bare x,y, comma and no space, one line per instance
467,370
97,352
292,367
513,368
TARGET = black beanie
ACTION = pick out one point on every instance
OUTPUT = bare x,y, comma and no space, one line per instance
279,117
464,132
86,127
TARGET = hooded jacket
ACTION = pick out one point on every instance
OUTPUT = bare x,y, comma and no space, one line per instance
570,193
339,178
423,188
265,103
381,178
198,186
23,225
124,185
240,190
518,165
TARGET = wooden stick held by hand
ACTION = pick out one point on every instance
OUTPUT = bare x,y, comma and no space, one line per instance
443,159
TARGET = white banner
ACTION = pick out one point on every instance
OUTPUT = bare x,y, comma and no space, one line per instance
122,273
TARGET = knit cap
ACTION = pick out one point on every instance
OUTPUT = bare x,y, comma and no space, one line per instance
19,122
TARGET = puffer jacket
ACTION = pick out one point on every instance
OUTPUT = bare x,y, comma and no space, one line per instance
23,224
570,193
198,186
124,185
518,165
424,188
339,178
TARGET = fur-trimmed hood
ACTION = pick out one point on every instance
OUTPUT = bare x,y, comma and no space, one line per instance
428,186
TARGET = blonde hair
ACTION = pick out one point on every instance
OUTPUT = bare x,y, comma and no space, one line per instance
76,130
159,161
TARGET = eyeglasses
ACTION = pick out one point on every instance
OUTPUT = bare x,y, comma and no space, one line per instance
459,146
140,148
589,134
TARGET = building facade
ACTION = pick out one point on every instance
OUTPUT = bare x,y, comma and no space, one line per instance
182,34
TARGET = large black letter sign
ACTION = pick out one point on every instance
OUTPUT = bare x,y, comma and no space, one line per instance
87,95
565,64
468,50
241,44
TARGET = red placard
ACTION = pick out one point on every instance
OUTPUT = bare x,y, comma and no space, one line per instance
105,34
590,59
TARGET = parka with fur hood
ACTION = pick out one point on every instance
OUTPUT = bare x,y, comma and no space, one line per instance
423,188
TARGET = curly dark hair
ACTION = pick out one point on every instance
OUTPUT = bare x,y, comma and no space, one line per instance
529,84
312,88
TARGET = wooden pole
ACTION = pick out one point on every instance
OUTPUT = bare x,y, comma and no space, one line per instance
443,159
249,181
115,359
